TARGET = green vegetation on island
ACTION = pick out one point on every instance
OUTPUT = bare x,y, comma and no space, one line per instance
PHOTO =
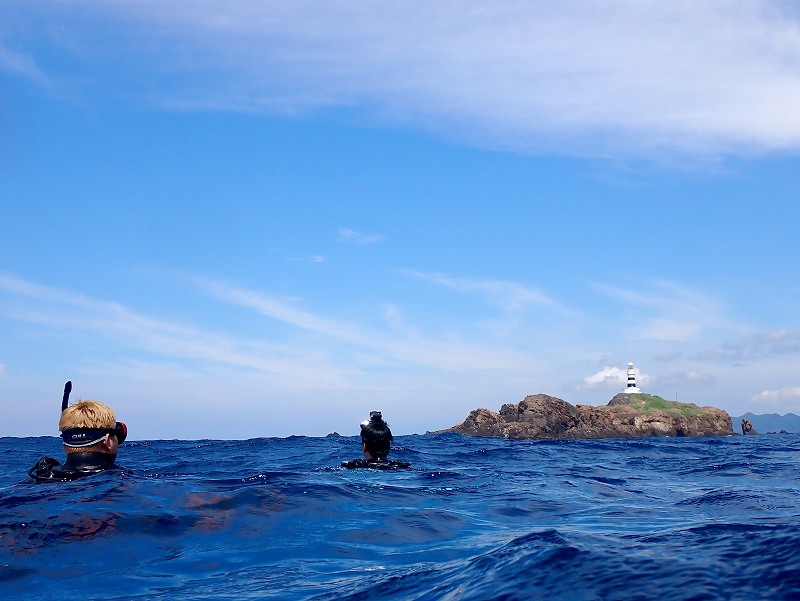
646,403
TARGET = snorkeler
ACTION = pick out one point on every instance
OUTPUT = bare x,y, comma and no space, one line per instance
91,435
376,439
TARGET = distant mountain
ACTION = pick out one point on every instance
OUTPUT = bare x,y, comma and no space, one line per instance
768,422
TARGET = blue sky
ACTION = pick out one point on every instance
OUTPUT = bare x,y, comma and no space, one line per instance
270,218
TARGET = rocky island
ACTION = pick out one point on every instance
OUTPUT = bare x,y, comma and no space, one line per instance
627,415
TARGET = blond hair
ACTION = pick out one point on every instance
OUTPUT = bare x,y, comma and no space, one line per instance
87,414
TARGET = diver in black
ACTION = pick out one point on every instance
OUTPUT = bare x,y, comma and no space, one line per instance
376,439
91,435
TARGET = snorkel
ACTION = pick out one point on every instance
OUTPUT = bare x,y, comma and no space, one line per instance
86,437
65,398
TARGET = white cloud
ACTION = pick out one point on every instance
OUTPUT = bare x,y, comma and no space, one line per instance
314,352
762,344
697,376
607,375
312,260
23,65
63,309
611,376
510,296
665,311
776,397
284,310
348,235
135,369
620,76
686,383
407,346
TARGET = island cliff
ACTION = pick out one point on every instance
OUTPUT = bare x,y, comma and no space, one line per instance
636,415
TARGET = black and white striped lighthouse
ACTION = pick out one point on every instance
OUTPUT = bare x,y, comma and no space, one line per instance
631,387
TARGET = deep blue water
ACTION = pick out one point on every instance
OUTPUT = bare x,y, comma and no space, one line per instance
475,518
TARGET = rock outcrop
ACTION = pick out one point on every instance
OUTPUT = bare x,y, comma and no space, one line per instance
626,416
747,427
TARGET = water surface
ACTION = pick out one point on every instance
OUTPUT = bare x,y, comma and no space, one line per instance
475,518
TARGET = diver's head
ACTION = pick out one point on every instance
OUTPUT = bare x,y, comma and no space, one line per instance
90,426
376,437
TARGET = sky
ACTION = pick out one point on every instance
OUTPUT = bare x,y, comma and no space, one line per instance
263,218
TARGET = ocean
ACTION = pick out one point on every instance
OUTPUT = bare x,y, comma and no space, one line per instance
474,518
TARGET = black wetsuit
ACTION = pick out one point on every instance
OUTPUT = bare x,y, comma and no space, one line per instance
376,464
77,465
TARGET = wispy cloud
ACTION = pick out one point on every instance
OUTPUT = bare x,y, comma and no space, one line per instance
684,380
398,343
759,345
666,311
136,369
618,77
330,354
509,296
283,310
697,376
312,260
63,309
22,64
348,235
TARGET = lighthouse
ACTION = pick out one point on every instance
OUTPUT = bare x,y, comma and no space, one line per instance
631,387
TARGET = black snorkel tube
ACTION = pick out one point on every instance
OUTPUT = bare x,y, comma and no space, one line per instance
65,398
